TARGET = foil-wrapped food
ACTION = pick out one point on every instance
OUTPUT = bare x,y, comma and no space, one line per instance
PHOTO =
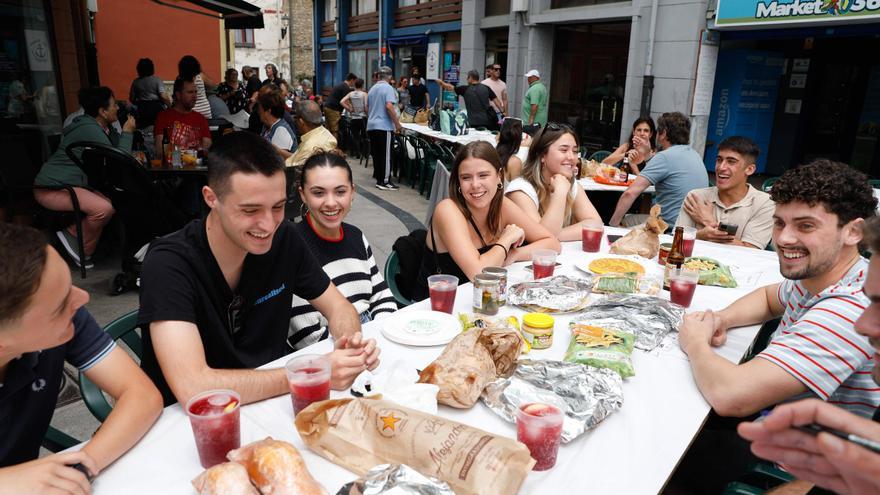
395,479
586,395
650,319
559,294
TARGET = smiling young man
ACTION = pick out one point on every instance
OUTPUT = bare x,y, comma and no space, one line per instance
820,214
42,325
826,460
215,296
732,202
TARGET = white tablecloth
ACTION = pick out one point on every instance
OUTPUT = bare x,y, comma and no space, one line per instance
471,136
633,451
590,185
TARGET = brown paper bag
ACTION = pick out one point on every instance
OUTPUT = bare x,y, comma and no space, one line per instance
470,362
359,434
643,240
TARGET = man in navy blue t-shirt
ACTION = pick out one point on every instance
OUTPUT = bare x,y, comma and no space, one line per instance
42,325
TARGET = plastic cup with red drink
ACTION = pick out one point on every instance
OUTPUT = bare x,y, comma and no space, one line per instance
687,241
441,289
682,284
308,376
543,263
539,427
216,423
591,237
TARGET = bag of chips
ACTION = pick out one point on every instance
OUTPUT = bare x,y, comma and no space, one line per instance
601,347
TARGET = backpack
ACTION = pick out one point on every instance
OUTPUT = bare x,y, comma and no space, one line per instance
454,123
409,248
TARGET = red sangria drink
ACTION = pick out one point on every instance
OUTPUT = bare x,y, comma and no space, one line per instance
308,376
687,241
682,285
216,423
442,289
591,238
543,263
539,427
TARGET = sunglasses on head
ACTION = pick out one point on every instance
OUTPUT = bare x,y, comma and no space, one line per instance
558,126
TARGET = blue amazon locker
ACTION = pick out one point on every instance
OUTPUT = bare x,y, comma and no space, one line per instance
744,100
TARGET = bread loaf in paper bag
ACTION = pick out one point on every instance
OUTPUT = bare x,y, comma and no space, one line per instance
642,240
359,434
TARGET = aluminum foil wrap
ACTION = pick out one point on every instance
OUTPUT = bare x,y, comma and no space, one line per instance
559,294
395,479
586,395
650,319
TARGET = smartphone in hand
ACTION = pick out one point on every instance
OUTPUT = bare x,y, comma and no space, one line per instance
728,227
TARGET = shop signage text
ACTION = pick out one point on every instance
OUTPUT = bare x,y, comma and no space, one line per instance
764,12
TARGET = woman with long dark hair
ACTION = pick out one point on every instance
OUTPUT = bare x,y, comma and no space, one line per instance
640,147
272,75
190,69
327,191
548,191
512,147
477,226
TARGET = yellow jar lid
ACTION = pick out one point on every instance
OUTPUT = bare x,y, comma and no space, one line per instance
538,320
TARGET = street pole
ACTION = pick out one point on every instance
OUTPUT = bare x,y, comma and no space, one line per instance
290,77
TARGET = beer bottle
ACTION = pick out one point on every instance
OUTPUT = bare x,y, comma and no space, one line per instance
626,166
166,149
676,255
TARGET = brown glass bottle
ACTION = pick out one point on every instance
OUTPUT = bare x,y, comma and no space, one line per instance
626,167
676,255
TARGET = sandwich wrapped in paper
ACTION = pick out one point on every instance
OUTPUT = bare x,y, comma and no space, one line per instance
643,240
359,434
470,362
229,478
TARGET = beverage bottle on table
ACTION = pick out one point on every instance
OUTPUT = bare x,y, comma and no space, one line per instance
166,149
176,158
675,258
623,172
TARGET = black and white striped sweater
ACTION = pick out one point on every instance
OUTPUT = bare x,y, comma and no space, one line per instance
350,265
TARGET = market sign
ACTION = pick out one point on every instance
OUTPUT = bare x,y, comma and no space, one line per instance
758,13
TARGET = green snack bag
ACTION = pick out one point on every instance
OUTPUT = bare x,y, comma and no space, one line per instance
711,272
601,347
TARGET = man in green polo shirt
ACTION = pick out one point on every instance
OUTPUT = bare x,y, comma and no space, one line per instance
534,107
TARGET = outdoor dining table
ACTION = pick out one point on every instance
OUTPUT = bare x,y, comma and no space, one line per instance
472,135
633,451
591,185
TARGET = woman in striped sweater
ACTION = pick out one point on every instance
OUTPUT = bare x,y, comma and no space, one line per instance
327,190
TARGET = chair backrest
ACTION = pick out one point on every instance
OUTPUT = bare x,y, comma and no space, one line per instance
768,184
600,155
392,268
109,169
123,328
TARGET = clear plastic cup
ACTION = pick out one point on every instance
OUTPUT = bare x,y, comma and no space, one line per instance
682,285
442,290
543,263
539,427
216,423
687,241
308,376
591,237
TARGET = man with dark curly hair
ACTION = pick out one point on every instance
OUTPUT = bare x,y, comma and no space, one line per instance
818,224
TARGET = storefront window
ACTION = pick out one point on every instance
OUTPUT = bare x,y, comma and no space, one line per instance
29,98
589,72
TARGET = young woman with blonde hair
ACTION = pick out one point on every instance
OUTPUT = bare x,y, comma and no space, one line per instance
548,191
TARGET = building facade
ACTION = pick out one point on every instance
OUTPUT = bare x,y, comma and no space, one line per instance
358,36
288,34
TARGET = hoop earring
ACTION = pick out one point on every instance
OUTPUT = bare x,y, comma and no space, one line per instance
303,209
459,190
500,186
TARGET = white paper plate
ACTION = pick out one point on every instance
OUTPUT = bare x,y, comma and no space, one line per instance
421,328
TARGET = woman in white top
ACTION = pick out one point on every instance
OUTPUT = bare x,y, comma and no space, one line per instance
190,69
548,190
